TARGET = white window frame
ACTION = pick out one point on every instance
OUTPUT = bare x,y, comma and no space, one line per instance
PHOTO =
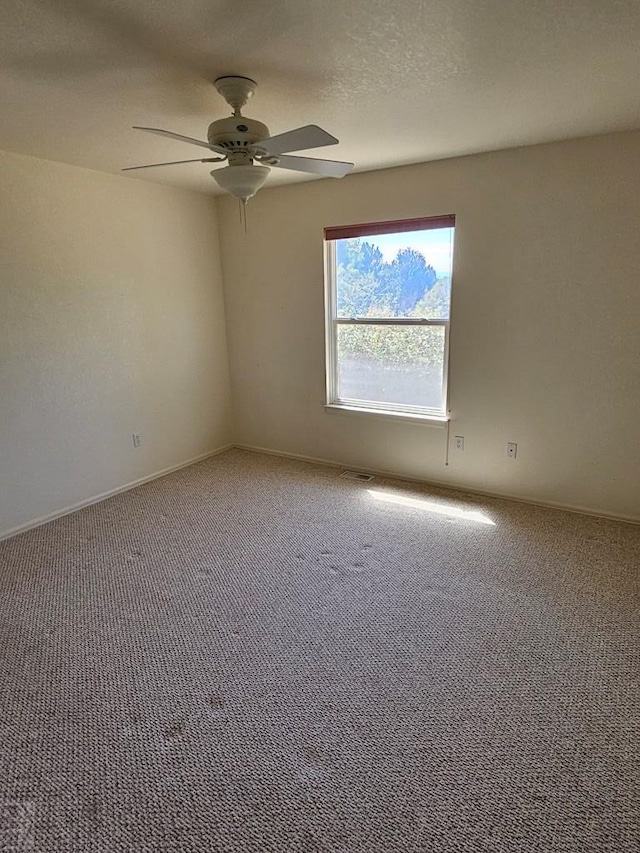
332,322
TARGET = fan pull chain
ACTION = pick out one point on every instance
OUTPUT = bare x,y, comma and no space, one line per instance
242,210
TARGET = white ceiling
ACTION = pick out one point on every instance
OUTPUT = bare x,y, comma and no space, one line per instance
397,81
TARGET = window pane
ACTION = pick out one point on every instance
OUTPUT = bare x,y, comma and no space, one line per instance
391,364
406,274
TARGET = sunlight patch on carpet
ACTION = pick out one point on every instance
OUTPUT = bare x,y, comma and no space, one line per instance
433,506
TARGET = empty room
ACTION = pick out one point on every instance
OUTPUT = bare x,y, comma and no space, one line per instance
319,426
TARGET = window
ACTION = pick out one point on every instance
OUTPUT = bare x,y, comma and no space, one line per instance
388,297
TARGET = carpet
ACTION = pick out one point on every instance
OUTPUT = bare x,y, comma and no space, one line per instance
255,654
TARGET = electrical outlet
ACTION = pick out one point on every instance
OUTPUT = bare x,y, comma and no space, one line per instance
136,438
512,449
458,442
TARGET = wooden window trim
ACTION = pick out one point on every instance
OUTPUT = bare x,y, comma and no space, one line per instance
370,229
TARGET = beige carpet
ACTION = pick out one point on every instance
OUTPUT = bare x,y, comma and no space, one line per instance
254,654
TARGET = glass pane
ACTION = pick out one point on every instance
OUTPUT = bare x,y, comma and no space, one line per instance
401,365
395,275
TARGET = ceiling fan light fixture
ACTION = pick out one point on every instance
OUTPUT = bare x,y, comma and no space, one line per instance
241,141
243,182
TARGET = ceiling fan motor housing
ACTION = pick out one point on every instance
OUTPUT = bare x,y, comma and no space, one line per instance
236,133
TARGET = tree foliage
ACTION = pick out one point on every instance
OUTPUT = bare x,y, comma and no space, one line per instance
369,287
403,346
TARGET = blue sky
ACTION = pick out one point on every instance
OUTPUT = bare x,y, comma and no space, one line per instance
436,245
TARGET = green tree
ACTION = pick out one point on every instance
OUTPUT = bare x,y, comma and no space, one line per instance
435,304
361,278
360,256
408,279
356,291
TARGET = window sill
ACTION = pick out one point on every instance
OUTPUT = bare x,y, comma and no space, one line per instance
407,417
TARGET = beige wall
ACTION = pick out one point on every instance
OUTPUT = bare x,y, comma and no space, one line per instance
111,322
545,347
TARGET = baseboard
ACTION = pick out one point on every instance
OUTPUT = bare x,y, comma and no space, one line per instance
381,472
44,519
318,460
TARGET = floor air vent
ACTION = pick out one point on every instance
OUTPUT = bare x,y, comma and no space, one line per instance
356,475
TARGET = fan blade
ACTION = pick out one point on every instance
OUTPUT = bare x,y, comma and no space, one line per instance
326,168
175,163
309,136
181,138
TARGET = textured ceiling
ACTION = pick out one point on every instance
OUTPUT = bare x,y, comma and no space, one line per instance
397,81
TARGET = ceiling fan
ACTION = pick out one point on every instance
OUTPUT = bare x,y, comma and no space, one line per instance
249,150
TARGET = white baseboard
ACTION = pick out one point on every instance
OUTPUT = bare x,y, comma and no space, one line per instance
381,472
44,519
334,463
